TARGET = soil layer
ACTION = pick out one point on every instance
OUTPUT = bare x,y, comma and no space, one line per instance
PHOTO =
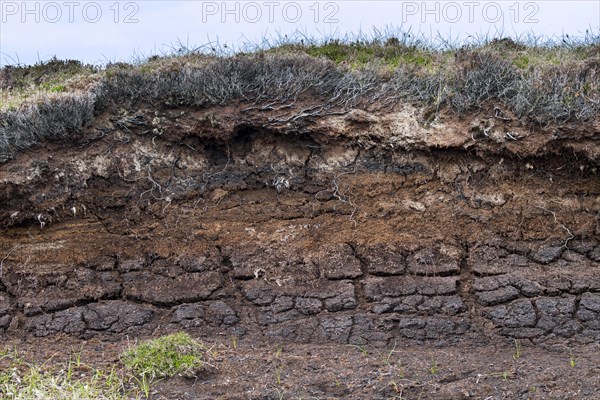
322,235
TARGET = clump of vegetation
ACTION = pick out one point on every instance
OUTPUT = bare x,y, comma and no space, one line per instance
21,380
391,53
46,74
541,83
167,356
19,84
164,357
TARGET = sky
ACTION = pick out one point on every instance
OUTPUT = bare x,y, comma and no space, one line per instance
108,31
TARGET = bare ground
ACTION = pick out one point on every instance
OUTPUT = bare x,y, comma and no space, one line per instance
243,369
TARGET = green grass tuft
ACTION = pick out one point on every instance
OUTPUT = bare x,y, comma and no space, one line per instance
167,356
360,54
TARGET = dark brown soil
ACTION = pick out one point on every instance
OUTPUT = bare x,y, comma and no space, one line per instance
243,369
320,237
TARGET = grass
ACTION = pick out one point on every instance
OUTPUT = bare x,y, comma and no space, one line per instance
20,379
142,366
20,84
278,352
363,350
540,83
505,375
392,53
572,359
518,349
166,357
278,378
433,367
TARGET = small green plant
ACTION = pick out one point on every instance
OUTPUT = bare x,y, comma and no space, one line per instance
58,89
388,358
534,389
521,61
167,356
278,378
518,349
397,389
400,369
337,381
362,349
144,385
505,375
572,360
278,352
433,368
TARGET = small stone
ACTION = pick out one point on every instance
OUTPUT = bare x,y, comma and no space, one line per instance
414,205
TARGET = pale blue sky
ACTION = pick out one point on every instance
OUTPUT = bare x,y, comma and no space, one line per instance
101,31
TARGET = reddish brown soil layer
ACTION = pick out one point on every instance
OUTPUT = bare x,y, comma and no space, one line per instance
345,230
